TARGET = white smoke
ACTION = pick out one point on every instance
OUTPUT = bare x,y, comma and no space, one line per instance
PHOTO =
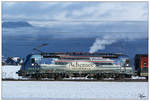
100,44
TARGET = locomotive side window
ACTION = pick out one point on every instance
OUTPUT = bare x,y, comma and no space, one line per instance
33,60
98,64
60,63
46,61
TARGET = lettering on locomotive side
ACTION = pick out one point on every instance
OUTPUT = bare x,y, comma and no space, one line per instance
81,65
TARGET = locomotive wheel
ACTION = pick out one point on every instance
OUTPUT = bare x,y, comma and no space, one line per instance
58,77
128,76
37,76
120,77
99,76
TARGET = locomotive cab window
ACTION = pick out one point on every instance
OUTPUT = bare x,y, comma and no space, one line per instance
32,60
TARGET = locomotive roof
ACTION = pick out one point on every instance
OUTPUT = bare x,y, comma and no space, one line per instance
82,54
141,54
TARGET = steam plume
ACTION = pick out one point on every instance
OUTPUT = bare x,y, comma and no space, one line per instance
100,44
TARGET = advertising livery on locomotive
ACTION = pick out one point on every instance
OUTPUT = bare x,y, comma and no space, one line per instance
65,65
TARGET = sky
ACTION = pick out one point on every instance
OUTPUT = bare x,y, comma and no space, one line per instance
106,22
81,16
75,10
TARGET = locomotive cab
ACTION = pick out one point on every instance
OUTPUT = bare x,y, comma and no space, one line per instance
31,62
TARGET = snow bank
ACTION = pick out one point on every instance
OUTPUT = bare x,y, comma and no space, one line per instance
137,77
74,90
9,72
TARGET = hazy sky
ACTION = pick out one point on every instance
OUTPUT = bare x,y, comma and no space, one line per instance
75,10
81,16
107,21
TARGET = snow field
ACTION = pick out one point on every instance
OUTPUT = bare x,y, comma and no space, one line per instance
74,90
9,72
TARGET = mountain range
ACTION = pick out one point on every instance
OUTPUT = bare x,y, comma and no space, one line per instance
16,24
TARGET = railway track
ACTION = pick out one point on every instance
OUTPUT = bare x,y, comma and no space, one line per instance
92,80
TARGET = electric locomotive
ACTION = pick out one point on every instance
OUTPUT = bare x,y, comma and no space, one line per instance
73,64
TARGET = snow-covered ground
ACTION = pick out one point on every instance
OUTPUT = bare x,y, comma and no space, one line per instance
73,90
9,72
137,77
